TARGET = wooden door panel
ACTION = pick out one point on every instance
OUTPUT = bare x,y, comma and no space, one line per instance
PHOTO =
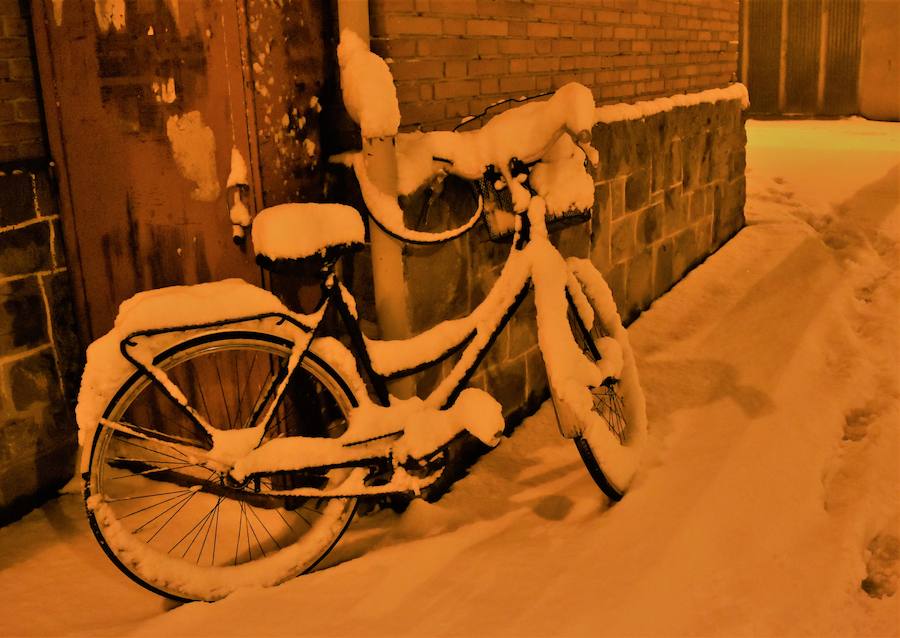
146,107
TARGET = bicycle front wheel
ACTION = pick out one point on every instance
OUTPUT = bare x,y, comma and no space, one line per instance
612,445
188,532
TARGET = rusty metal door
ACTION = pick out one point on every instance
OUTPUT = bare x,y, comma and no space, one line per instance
801,56
146,102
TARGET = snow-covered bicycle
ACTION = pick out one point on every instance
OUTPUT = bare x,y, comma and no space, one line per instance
228,439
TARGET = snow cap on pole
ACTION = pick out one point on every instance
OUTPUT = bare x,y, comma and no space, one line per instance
368,88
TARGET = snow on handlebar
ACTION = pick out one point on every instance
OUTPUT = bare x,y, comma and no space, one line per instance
554,135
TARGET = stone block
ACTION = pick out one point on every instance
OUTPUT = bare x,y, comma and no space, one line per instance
23,319
704,175
522,329
437,279
32,461
497,353
622,240
720,165
703,236
642,144
34,381
639,285
25,250
637,189
737,163
45,194
615,279
685,254
536,374
602,200
729,215
650,224
58,288
691,160
482,280
617,197
601,233
676,212
16,198
58,256
573,240
697,204
674,166
607,146
506,383
663,276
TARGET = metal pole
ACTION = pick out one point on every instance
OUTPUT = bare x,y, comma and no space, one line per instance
391,296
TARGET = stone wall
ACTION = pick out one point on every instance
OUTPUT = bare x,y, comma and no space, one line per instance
21,134
39,353
451,58
669,191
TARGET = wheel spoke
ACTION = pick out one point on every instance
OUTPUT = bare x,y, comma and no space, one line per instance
130,441
176,505
178,495
224,398
214,515
155,470
253,511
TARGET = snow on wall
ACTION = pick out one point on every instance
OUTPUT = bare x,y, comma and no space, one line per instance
646,108
110,14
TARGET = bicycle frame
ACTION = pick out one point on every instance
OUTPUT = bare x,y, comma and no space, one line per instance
474,337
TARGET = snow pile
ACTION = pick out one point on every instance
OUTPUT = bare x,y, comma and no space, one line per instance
295,231
623,111
368,88
560,178
240,182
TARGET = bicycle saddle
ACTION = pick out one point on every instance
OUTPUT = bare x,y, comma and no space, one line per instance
288,233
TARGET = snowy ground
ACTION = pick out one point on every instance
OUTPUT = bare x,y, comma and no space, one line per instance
770,492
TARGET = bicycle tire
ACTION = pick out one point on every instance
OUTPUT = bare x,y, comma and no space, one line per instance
619,402
271,544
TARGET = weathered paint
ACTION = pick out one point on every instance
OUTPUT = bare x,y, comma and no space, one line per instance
131,219
288,63
194,150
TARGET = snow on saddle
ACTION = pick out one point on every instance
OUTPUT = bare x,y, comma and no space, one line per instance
285,234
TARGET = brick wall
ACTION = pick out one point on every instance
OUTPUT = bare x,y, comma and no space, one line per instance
21,133
39,353
451,58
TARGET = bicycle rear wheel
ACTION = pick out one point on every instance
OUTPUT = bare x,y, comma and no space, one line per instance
188,532
611,446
